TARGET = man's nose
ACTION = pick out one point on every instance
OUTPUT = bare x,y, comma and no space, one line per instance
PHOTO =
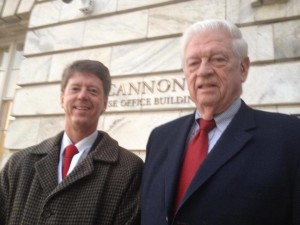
83,93
204,69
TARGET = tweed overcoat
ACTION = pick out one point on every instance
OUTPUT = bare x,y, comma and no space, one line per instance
103,189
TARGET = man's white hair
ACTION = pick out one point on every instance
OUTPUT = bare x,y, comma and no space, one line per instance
239,45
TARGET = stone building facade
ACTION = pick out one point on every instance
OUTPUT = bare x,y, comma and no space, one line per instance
139,41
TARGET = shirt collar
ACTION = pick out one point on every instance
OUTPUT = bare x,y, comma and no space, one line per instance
223,119
82,145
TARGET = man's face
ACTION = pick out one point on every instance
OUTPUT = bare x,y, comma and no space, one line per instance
213,72
83,102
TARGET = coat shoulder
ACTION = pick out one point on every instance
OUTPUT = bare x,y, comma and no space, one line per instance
27,155
110,150
281,120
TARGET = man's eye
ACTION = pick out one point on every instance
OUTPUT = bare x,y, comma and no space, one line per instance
218,61
74,89
93,91
192,64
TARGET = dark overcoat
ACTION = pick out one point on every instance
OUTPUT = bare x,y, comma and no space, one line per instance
250,177
103,189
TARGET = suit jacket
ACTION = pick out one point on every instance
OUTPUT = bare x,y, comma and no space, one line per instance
103,189
250,177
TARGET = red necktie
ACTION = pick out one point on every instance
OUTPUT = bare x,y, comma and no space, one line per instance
195,154
70,151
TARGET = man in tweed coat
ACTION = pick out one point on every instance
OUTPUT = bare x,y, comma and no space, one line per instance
102,185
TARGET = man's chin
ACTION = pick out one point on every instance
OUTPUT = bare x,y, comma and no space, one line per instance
207,101
82,124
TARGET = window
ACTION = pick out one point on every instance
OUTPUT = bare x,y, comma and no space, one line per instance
10,60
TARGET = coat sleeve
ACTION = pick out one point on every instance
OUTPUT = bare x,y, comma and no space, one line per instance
8,183
4,187
128,212
296,198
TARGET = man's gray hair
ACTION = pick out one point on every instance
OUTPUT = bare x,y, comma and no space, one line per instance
240,46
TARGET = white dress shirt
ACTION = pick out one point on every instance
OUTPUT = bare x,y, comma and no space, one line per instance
222,121
83,146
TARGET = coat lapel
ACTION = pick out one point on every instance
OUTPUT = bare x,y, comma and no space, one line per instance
176,149
105,149
234,138
47,171
46,167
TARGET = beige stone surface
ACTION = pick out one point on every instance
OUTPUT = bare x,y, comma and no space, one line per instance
164,20
1,3
25,6
273,84
260,42
241,11
35,70
287,39
62,37
50,126
22,133
129,26
9,8
45,13
2,82
132,129
52,12
41,69
88,33
146,57
131,4
175,18
25,132
277,11
37,100
60,61
4,157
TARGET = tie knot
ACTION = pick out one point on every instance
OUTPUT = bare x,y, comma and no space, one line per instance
207,125
71,150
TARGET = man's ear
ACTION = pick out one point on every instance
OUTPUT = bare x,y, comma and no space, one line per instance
105,104
245,64
242,68
62,99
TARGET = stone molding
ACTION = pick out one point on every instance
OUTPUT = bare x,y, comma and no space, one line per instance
256,3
